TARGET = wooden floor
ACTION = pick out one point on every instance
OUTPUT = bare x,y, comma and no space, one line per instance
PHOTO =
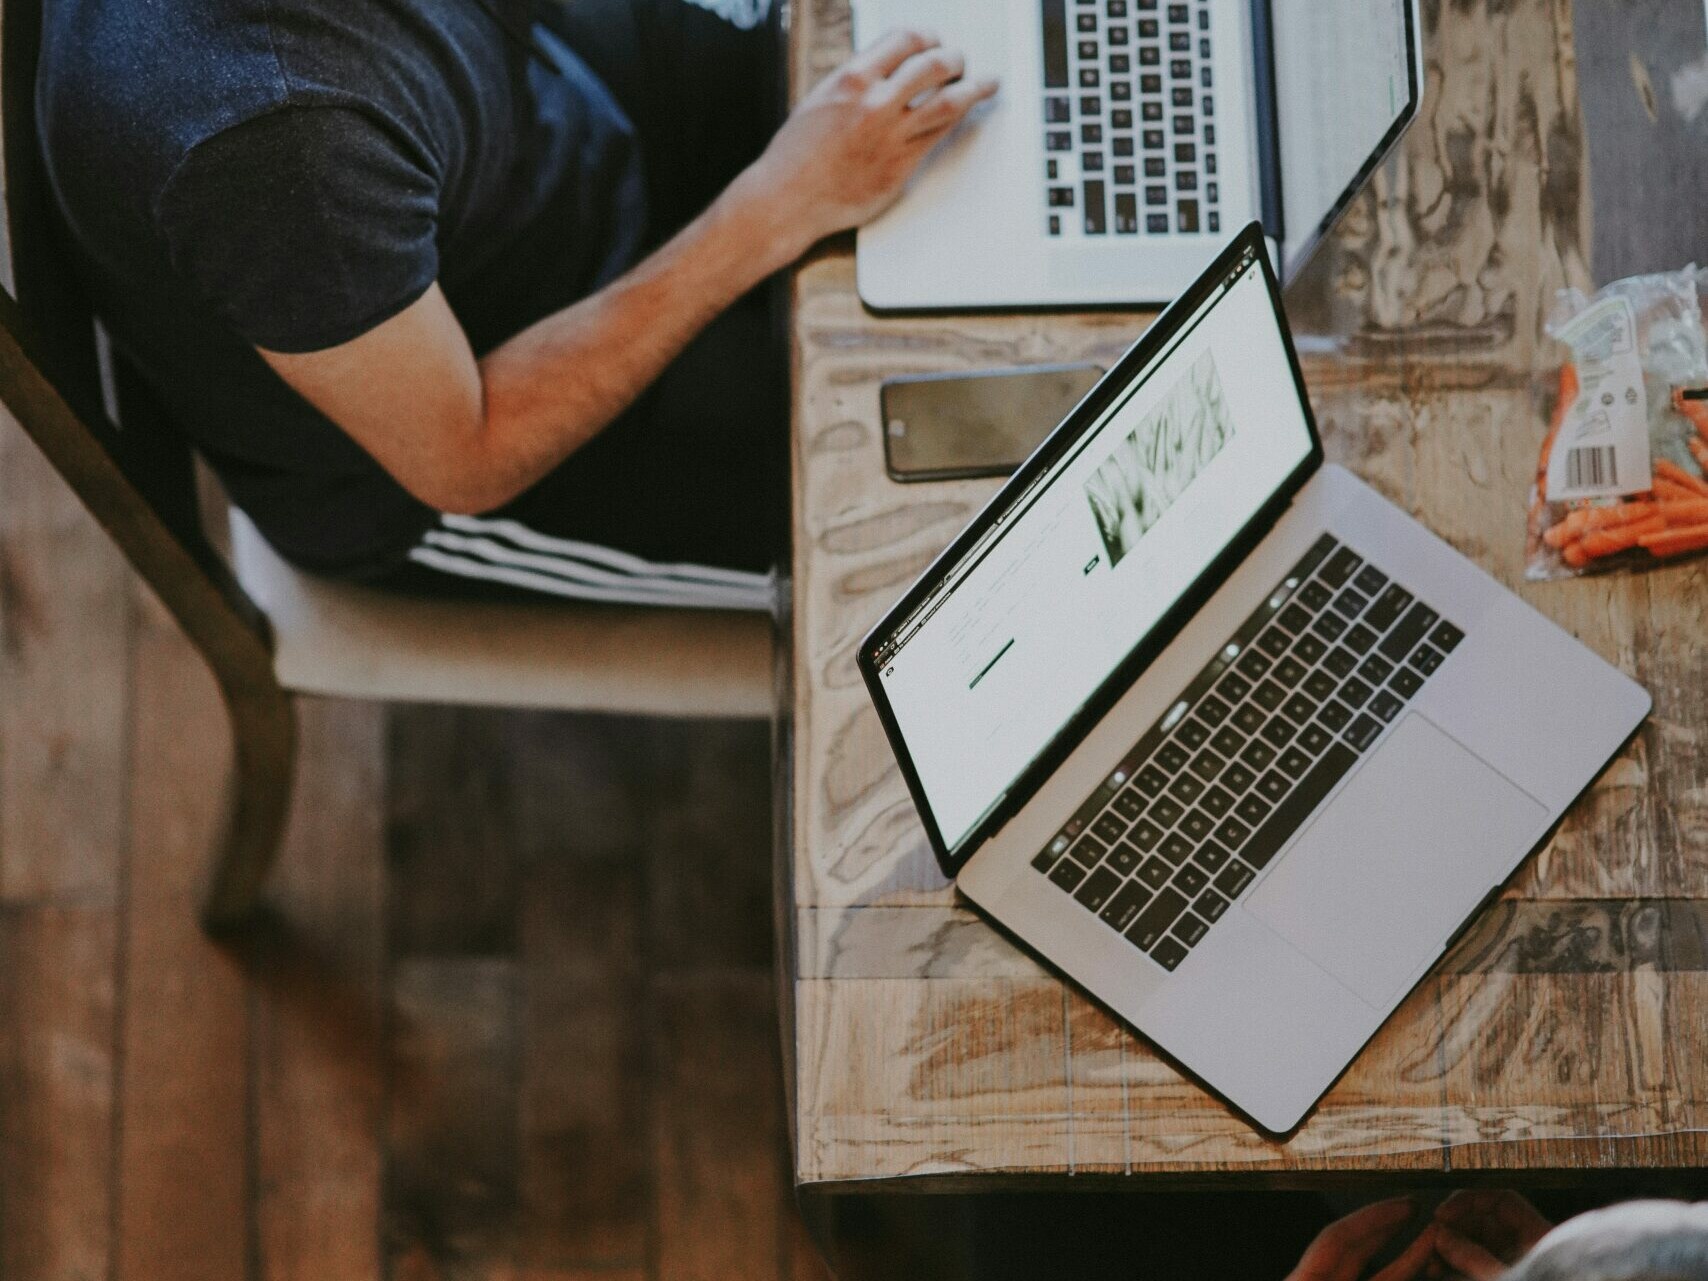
512,1015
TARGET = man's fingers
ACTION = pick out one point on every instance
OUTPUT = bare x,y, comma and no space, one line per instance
1524,1220
1413,1260
1344,1246
924,72
1467,1257
945,109
890,51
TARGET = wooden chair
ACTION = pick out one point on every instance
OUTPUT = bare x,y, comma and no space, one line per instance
265,629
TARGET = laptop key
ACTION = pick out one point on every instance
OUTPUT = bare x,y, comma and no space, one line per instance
1320,685
1406,682
1309,649
1249,718
1210,906
1186,209
1363,732
1211,857
1186,789
1269,696
1314,739
1108,828
1175,848
1340,567
1189,930
1233,879
1294,762
1280,730
1228,741
1274,786
1289,671
1446,637
1232,833
1351,603
1388,608
1370,580
1207,765
1145,835
1122,910
1192,734
1294,618
1196,825
1124,859
1427,659
1292,812
1355,692
1386,705
1169,953
1189,880
1212,710
1253,665
1375,669
1360,639
1313,595
1128,804
1088,851
1099,887
1335,715
1150,780
1216,802
1274,642
1068,875
1171,757
1155,872
1258,754
1340,662
1154,921
1166,812
1331,627
1237,777
1300,708
1253,809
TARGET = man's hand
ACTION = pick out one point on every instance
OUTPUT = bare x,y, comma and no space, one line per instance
1343,1248
1479,1234
849,147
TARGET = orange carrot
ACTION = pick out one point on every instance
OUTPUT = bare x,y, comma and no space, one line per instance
1699,451
1688,512
1675,542
1670,491
1670,470
1605,542
1575,556
1583,520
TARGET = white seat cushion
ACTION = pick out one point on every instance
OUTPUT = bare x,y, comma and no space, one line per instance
353,642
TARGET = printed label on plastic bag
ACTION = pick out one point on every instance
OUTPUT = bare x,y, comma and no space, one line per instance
1603,446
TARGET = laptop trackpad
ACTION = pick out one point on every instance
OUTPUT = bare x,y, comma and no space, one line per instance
1401,855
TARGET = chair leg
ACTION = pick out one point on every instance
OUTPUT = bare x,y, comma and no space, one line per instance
264,743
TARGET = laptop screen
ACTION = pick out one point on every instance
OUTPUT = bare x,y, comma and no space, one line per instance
1079,565
1344,80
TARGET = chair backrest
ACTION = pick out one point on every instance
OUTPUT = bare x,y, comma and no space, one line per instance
138,479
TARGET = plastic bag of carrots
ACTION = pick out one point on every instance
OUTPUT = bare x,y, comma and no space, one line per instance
1622,479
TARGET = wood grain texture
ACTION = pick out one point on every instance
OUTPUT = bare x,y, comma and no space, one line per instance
926,1045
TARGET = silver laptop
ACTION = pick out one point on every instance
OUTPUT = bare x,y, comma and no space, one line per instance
1131,137
1217,730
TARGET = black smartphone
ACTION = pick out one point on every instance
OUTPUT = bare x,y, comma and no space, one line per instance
951,426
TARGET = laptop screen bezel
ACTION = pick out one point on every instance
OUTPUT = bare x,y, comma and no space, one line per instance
1292,264
1084,417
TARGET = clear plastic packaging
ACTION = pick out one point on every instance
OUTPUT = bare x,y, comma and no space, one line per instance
1622,379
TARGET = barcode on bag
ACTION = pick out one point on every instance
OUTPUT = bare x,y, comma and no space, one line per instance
1591,467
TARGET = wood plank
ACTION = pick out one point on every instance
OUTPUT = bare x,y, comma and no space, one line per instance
583,1186
64,670
57,1082
316,964
451,1121
450,843
183,1162
717,1138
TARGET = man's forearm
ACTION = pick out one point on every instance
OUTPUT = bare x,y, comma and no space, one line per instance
554,386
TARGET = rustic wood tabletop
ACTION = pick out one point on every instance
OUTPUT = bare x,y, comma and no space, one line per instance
1566,1030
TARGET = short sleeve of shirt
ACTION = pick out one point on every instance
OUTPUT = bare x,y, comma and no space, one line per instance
303,228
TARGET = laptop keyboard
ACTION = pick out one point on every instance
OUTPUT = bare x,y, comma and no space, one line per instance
1210,794
1129,118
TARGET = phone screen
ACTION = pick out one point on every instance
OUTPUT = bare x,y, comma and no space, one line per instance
986,424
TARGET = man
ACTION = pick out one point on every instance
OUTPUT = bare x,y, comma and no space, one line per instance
445,294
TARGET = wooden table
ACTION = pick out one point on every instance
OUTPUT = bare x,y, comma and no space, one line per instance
923,1050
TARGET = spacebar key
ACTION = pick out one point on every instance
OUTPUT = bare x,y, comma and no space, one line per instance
1293,811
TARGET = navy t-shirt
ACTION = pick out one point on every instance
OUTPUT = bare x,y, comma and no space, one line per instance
287,174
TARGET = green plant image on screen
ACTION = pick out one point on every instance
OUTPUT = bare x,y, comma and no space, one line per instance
1154,463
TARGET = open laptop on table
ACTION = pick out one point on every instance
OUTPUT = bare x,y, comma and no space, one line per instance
1131,137
1216,729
